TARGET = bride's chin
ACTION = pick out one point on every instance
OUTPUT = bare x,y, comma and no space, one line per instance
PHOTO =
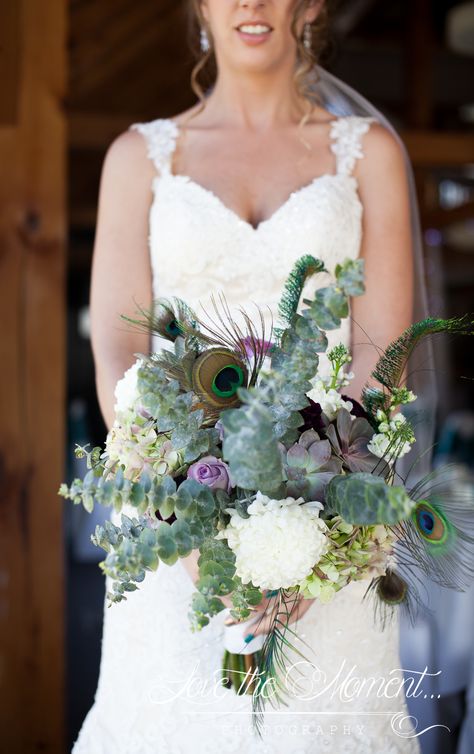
256,60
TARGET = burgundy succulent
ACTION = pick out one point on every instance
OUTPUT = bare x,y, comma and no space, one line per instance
312,416
309,466
349,439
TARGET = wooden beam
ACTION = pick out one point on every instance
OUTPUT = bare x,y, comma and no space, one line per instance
437,149
32,388
419,64
441,218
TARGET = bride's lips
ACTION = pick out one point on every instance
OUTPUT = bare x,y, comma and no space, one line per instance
254,33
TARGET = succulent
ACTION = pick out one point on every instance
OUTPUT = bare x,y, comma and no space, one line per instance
309,466
349,438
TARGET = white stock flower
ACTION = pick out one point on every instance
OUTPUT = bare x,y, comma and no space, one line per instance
280,542
328,398
381,444
126,389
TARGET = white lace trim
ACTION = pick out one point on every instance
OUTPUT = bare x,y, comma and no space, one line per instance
345,134
347,141
160,136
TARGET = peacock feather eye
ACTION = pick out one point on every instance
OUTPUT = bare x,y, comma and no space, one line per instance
174,329
430,522
217,375
227,380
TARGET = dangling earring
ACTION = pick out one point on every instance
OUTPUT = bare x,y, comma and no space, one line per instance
307,36
205,46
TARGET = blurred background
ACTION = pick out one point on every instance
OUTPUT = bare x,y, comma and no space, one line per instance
73,76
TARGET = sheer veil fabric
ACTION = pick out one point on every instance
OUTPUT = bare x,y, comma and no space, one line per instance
341,99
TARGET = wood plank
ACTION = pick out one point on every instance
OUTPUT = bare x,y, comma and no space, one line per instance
436,148
32,390
9,62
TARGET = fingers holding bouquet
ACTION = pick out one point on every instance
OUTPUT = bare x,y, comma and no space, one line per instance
272,605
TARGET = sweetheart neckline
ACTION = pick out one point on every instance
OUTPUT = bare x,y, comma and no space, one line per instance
254,229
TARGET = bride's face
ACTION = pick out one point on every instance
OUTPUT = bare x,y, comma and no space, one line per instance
255,35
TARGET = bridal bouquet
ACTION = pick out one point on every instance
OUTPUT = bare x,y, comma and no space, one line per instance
232,441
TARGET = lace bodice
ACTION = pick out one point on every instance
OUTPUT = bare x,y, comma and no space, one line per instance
198,245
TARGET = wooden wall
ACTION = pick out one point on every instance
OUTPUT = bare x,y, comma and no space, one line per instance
32,365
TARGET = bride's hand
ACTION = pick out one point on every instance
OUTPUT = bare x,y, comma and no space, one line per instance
263,613
298,607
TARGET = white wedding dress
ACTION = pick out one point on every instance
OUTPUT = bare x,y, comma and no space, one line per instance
158,690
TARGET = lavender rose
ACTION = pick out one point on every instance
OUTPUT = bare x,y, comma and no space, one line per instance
211,471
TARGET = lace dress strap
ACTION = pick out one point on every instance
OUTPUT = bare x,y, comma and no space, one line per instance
160,136
346,133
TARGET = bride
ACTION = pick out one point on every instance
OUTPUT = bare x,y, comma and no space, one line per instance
225,197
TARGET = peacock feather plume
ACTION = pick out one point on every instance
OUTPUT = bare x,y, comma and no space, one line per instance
439,534
393,362
275,658
248,341
166,318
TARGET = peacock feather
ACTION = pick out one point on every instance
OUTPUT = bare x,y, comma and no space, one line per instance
217,374
393,590
439,535
166,318
303,269
248,341
275,659
393,362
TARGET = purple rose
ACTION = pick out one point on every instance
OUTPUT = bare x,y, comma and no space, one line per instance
211,471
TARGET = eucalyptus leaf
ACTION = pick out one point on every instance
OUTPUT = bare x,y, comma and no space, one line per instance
364,499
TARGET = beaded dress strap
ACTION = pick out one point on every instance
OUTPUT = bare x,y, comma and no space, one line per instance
160,136
346,134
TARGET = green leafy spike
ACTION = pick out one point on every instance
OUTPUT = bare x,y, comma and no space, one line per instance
303,269
391,365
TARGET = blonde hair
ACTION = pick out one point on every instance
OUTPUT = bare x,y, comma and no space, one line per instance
305,58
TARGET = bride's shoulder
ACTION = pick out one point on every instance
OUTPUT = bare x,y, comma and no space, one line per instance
127,153
382,151
142,147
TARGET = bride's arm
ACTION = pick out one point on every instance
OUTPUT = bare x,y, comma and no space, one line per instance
121,274
385,309
121,271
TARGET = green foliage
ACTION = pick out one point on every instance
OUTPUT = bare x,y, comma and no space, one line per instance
244,597
140,543
250,446
175,412
364,499
270,411
350,277
303,269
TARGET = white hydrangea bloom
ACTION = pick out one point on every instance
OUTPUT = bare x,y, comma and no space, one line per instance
126,390
328,398
280,542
